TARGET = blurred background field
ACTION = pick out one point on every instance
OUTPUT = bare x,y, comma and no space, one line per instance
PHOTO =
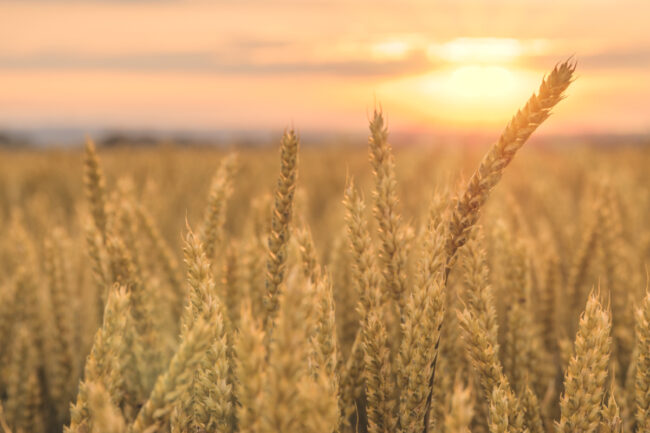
173,182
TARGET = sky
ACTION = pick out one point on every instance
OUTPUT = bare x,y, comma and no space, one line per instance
432,65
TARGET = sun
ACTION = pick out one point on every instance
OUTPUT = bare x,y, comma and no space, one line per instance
481,82
477,82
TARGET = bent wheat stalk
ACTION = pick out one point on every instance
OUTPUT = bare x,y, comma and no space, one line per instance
469,204
523,124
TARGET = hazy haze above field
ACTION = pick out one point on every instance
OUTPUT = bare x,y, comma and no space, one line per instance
433,65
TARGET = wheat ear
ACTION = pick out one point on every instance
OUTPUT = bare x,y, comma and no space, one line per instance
484,179
612,422
378,375
423,314
489,172
166,258
391,232
584,382
642,365
288,352
61,372
111,362
95,188
215,216
280,220
105,416
367,281
24,393
208,403
175,382
251,370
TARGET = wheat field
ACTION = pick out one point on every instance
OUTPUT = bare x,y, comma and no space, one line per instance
193,290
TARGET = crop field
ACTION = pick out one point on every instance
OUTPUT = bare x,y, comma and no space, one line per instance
306,289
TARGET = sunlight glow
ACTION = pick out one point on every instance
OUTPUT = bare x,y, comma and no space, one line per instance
478,50
480,82
390,50
468,95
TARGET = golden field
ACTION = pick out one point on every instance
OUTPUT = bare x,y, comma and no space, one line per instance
328,289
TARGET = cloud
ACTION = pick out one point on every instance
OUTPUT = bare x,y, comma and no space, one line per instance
144,61
214,63
628,58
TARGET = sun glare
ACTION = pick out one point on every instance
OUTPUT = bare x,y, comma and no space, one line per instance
478,82
482,82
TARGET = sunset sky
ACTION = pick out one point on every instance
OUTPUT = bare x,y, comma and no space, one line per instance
321,65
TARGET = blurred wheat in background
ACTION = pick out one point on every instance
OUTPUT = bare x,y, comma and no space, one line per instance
188,291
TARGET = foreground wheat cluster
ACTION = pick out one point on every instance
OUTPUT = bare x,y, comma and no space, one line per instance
288,313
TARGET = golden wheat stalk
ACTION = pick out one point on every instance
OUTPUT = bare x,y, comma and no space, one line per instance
251,371
95,188
484,179
280,219
287,367
423,313
489,172
175,382
166,258
367,283
532,411
112,362
61,372
364,268
208,402
478,319
24,390
308,255
105,416
584,381
391,232
215,216
382,406
642,365
612,422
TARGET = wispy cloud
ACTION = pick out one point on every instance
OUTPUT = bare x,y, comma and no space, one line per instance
623,58
612,60
213,63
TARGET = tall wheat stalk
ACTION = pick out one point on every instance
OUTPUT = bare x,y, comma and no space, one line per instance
487,175
278,240
521,126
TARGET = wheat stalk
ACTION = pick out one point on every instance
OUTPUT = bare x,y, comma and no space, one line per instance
584,381
487,175
280,219
175,382
95,188
484,179
642,365
391,232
